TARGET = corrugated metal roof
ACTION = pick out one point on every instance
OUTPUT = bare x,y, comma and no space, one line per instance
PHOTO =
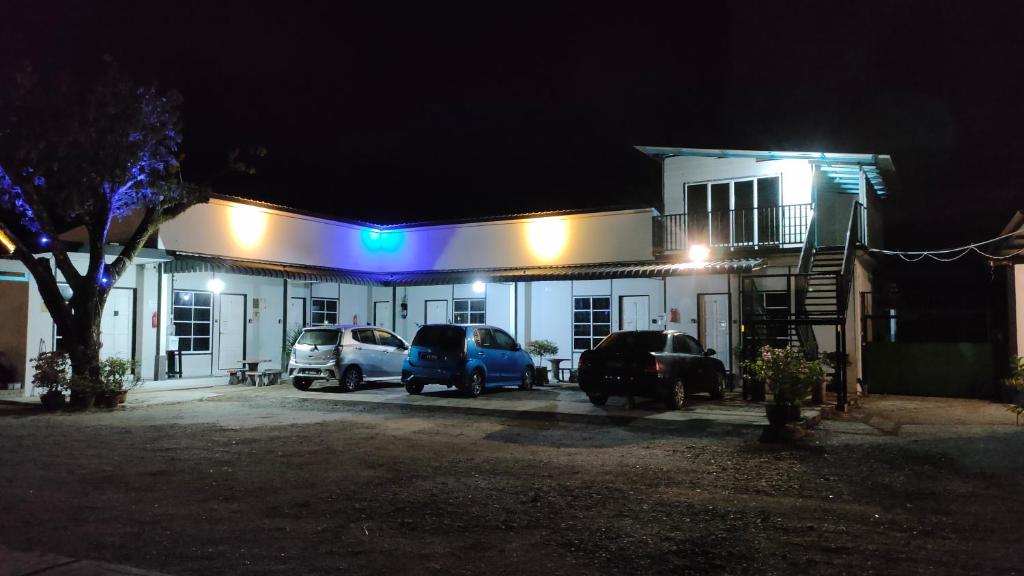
196,263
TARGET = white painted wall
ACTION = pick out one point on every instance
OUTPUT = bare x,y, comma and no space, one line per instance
682,170
236,230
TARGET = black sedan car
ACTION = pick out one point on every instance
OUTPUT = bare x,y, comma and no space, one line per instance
666,365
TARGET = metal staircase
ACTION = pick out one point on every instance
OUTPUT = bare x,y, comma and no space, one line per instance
819,292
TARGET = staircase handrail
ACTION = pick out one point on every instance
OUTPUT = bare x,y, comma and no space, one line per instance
802,286
849,255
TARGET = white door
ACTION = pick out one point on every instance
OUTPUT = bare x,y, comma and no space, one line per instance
713,312
296,313
231,331
382,314
437,312
634,313
116,324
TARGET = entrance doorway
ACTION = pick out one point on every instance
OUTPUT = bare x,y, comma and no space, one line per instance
116,324
382,314
231,331
436,312
713,325
634,313
296,313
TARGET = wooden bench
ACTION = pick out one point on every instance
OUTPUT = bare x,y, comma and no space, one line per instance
235,376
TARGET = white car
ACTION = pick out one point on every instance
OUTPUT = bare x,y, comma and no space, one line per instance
348,353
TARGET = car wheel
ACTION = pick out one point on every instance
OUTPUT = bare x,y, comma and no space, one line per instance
351,379
476,384
526,382
597,399
414,389
302,383
719,387
677,395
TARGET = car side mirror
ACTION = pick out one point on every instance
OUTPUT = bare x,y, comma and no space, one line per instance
710,352
518,347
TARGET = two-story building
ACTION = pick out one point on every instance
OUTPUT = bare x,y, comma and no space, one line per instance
749,247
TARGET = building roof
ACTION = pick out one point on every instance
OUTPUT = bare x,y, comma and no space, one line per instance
185,263
1010,248
844,168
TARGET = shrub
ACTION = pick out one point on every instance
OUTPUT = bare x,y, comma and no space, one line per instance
1015,381
52,371
788,373
541,348
118,374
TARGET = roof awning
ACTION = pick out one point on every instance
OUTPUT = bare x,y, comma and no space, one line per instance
578,272
191,263
194,263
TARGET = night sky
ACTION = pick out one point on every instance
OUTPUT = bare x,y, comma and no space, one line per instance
395,114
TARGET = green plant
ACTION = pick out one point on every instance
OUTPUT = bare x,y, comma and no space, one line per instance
1018,411
541,348
118,374
788,373
52,369
290,339
1015,381
83,385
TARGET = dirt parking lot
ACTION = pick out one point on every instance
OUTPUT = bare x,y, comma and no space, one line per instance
264,483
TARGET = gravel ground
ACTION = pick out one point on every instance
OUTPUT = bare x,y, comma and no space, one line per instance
262,484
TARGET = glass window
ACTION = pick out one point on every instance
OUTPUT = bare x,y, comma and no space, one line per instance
364,336
319,338
648,341
504,341
485,338
323,310
469,311
447,338
192,313
385,338
591,321
683,344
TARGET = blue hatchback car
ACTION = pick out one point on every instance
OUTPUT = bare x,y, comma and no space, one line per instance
469,358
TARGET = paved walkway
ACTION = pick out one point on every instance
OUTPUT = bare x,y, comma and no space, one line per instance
38,564
563,400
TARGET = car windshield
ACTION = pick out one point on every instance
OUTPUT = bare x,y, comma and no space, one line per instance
318,338
443,337
646,341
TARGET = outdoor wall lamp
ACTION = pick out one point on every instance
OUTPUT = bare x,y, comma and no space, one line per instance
699,253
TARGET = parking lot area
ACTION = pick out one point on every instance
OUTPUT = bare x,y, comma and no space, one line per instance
237,480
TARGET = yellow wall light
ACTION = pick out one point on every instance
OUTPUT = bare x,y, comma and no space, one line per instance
547,238
7,242
248,225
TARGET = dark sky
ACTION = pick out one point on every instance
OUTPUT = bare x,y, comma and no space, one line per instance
396,113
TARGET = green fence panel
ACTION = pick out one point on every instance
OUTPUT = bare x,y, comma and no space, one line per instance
961,370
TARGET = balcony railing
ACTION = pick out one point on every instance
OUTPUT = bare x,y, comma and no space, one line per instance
764,227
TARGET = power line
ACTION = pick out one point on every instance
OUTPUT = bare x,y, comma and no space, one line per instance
909,255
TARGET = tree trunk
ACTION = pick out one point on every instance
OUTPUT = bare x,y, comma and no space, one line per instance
82,341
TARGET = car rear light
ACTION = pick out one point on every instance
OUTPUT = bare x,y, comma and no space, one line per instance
654,366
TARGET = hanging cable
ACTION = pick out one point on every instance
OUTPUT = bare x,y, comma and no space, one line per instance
907,255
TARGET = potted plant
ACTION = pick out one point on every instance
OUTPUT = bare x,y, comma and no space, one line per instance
539,349
1013,384
117,376
52,375
83,391
789,376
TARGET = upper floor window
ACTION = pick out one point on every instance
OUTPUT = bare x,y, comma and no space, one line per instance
735,212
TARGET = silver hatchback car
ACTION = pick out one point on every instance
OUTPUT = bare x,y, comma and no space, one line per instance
348,353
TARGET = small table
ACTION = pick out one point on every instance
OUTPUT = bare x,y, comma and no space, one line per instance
556,369
251,371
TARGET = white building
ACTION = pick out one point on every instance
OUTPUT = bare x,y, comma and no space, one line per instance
741,253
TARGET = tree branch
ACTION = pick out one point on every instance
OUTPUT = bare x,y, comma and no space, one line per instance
60,255
150,222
